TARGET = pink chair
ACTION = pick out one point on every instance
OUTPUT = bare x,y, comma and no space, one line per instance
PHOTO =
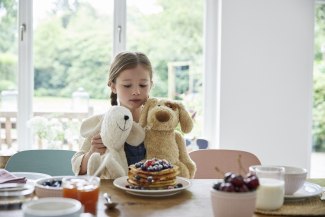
214,163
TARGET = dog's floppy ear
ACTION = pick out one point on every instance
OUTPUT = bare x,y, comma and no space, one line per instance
145,110
185,119
91,126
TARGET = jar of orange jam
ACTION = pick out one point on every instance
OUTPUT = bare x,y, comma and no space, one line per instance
82,188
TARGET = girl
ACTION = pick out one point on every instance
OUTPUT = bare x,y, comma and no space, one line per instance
130,80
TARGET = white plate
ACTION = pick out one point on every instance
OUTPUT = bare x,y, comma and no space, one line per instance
307,190
53,206
122,182
12,195
31,177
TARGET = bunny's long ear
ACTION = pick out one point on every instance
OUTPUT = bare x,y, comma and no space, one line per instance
91,126
145,110
185,119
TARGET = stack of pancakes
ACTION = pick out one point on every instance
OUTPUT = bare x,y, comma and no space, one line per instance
150,175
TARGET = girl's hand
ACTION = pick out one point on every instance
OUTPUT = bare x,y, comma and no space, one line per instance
97,145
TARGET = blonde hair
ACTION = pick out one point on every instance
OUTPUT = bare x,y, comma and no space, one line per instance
123,61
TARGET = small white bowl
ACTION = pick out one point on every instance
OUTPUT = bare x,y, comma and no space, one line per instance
230,204
294,178
48,191
52,207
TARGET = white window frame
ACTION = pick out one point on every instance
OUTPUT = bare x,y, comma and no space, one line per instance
25,73
212,49
119,26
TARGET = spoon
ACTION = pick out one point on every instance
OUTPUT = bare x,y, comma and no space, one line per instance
109,203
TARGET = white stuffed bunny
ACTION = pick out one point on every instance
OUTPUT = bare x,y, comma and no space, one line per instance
116,126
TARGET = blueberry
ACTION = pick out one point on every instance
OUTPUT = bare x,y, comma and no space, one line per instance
47,183
149,179
56,184
179,185
143,167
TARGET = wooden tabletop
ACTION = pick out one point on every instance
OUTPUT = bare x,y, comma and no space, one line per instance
195,201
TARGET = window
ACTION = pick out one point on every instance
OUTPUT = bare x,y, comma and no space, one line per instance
172,36
72,43
319,80
8,74
72,47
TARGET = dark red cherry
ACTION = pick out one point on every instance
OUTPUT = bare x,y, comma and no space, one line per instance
228,176
252,183
228,187
237,180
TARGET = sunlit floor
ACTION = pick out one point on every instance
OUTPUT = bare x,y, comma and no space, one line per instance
317,165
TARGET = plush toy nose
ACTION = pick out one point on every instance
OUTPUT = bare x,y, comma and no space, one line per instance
126,117
162,116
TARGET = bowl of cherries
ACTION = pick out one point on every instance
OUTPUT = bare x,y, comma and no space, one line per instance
235,195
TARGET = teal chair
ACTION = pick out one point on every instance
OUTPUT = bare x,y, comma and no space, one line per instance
51,162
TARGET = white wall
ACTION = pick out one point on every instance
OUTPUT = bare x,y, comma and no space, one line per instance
266,79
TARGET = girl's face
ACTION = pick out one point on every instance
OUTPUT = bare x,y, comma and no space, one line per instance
132,87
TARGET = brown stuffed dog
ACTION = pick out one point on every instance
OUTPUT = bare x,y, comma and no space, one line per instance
160,118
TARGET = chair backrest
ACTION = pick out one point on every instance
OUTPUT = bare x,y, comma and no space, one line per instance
51,162
214,163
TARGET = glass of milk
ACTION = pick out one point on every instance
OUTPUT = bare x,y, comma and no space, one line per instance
270,193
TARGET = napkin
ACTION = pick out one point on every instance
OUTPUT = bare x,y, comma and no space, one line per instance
7,177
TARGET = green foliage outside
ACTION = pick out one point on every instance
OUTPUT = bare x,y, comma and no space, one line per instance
175,35
8,45
69,56
172,36
73,47
319,81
